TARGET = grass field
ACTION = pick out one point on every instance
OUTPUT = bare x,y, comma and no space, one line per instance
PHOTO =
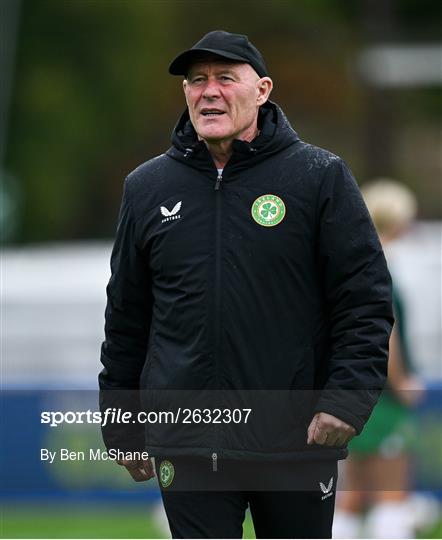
97,521
74,521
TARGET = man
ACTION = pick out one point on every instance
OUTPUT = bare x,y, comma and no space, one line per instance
246,276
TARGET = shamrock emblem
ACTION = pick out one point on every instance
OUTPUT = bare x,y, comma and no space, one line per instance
165,473
268,210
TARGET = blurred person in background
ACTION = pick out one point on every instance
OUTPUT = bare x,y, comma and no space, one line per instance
377,471
245,259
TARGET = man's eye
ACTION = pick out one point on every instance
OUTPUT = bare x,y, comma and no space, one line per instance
226,78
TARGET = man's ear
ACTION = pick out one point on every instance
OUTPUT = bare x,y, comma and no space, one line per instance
264,87
185,85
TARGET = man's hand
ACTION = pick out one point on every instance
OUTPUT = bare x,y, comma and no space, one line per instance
140,469
328,430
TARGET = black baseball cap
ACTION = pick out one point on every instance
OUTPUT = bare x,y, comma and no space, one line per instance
231,46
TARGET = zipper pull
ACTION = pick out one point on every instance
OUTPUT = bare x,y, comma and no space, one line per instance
218,181
214,462
188,152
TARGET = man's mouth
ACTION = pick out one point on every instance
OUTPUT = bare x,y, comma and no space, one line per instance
211,112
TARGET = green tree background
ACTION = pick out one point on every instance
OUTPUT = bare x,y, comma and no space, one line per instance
92,98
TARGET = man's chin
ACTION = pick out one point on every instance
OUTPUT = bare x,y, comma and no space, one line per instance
213,137
213,133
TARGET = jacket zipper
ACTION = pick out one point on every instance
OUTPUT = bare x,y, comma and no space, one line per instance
217,297
218,181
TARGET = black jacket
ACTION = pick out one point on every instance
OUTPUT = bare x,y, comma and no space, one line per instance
208,307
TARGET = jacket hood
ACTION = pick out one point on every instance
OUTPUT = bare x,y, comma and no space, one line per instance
275,135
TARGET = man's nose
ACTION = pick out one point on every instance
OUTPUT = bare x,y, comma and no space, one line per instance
211,89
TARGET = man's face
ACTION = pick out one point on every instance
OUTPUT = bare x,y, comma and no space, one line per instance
223,99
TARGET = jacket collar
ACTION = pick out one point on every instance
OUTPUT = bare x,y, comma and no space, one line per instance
275,134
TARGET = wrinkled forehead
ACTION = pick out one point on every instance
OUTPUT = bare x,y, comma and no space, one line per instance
208,61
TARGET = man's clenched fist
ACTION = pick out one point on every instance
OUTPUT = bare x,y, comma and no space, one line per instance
140,469
328,430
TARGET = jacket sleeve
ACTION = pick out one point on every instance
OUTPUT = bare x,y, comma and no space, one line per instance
127,324
356,286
